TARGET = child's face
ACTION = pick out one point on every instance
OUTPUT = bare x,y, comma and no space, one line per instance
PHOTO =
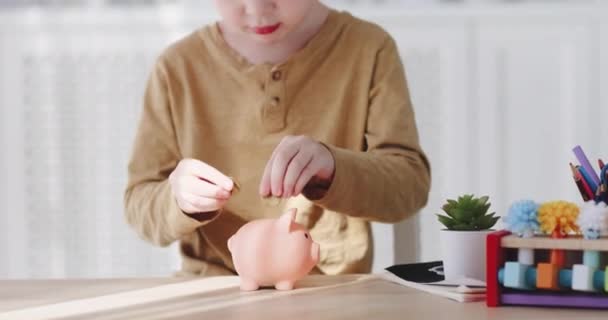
267,21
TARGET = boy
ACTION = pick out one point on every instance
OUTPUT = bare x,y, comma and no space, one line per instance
293,100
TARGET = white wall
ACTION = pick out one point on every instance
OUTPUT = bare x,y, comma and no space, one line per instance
501,94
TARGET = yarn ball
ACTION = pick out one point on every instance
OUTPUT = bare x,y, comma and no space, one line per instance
593,220
522,218
558,217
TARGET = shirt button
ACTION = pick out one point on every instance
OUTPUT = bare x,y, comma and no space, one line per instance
276,75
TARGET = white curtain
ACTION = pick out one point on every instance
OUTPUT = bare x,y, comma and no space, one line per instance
72,84
500,96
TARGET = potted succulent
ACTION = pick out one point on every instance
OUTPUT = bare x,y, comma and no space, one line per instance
463,242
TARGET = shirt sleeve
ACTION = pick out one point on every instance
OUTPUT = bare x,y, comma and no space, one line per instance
150,207
390,179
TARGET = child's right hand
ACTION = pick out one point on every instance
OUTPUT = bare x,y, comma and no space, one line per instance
198,187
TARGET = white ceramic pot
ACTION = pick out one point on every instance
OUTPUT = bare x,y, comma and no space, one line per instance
464,254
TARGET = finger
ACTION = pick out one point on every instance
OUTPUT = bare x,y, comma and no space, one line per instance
203,188
307,173
265,190
294,170
209,173
184,203
204,204
279,166
265,182
187,207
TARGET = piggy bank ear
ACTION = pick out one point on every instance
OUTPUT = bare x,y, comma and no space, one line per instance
287,219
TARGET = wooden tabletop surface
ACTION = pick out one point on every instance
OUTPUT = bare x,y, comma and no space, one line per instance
349,297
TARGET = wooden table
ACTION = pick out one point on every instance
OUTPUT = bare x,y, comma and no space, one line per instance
317,297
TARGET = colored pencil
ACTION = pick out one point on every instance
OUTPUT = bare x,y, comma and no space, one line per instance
604,188
601,195
583,188
584,161
587,178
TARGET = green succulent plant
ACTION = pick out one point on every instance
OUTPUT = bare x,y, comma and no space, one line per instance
468,213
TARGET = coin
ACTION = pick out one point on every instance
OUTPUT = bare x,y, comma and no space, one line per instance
272,201
236,187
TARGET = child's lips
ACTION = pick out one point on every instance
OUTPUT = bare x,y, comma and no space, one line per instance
266,29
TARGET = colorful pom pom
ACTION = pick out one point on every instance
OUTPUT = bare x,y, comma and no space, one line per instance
593,220
558,217
522,218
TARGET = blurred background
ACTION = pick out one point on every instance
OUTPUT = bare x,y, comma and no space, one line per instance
502,92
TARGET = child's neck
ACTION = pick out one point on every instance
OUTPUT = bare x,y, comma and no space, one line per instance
259,53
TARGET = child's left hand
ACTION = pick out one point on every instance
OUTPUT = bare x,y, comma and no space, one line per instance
294,162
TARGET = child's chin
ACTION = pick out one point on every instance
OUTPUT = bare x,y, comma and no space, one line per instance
264,40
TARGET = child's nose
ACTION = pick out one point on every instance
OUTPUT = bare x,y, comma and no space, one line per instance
258,8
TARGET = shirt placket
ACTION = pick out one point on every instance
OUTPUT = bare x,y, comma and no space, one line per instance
274,108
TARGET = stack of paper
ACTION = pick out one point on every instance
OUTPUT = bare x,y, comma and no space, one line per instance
428,277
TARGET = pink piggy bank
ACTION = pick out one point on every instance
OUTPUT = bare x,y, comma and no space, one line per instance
273,252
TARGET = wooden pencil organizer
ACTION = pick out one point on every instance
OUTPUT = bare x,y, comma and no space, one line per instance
546,271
